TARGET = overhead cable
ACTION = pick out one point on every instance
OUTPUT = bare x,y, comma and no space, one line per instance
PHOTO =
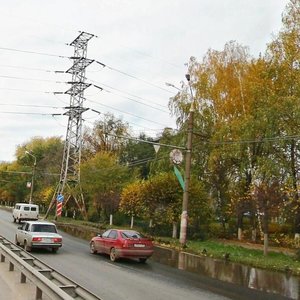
33,52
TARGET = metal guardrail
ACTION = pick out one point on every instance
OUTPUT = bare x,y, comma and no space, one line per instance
48,281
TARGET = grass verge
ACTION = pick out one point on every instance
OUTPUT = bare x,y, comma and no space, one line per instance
274,261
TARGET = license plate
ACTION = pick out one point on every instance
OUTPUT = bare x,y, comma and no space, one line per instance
47,240
139,245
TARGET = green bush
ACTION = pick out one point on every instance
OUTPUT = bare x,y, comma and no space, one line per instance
120,219
93,215
275,228
216,230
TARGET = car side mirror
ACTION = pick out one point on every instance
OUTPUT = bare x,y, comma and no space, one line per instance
99,235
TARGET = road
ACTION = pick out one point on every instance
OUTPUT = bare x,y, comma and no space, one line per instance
127,279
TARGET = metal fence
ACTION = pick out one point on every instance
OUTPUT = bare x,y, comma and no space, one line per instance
47,280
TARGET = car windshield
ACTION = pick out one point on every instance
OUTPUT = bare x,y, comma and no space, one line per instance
44,228
131,235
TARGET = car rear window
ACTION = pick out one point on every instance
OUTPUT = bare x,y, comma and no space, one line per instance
33,208
44,228
131,235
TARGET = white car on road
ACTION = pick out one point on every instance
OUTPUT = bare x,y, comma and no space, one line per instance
25,212
38,234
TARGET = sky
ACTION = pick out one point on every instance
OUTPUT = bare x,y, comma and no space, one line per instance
143,43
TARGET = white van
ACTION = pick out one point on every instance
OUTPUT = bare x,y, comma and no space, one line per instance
25,211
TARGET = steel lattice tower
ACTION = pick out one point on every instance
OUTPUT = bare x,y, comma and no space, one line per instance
69,183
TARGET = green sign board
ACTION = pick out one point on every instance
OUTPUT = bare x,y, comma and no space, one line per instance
179,177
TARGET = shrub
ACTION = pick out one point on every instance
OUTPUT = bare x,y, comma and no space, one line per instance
93,215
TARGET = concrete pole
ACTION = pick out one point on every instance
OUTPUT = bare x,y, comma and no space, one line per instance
32,177
188,160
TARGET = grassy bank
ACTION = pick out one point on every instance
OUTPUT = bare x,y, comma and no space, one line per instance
275,260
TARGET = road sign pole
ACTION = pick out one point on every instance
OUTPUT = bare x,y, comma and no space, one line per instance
59,205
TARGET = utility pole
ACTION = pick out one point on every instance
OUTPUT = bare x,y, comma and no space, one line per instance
187,174
70,170
33,173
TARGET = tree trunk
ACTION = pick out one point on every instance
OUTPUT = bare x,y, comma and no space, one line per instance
254,235
131,223
253,225
240,226
266,243
295,187
297,224
174,233
150,223
265,227
240,234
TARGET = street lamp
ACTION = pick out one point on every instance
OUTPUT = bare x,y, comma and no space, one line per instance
32,178
173,86
187,174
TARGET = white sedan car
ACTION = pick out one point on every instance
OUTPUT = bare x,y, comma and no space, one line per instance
38,234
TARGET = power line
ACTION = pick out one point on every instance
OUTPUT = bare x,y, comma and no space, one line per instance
134,77
124,112
139,102
131,123
29,172
263,140
28,68
29,105
32,52
146,142
32,79
132,95
22,90
26,113
102,64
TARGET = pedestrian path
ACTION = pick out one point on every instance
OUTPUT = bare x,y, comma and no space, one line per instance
12,289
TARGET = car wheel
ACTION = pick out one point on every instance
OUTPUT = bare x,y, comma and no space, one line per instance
54,250
142,260
26,248
113,255
14,220
16,241
92,248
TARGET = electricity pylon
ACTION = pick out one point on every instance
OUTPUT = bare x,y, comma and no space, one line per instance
69,183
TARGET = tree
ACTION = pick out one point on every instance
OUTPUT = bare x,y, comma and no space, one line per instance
13,183
268,196
106,135
138,154
47,152
223,112
102,179
162,199
159,200
131,202
284,57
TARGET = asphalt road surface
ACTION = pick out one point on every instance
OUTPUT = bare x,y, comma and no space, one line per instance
128,279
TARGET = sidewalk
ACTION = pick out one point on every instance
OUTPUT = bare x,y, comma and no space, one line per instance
12,289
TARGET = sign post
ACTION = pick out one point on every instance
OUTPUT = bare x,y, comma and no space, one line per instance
59,203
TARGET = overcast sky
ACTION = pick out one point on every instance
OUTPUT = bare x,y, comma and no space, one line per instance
146,39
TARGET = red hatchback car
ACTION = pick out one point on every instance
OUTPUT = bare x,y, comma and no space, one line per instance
122,243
